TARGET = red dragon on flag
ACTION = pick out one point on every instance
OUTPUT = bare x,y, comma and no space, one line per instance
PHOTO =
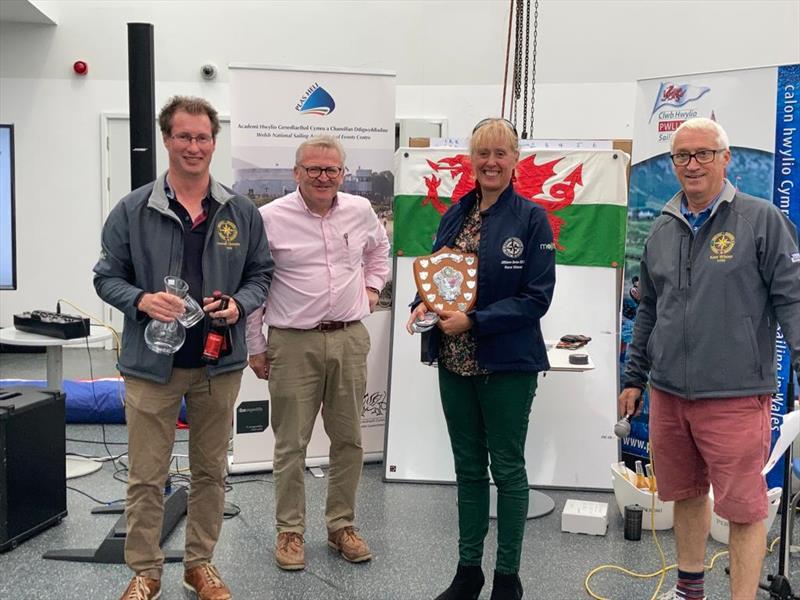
529,183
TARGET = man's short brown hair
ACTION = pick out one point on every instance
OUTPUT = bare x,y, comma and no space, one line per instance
189,104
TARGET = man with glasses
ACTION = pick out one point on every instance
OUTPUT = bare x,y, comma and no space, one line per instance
331,261
188,225
718,269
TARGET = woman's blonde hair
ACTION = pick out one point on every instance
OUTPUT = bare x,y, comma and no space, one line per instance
494,129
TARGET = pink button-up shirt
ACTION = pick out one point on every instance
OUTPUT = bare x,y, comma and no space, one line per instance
323,265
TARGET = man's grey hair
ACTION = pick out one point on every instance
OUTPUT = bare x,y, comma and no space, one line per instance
326,142
703,124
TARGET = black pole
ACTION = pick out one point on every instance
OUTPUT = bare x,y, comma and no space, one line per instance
142,102
779,587
786,514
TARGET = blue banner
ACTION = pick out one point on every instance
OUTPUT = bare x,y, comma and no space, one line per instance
786,196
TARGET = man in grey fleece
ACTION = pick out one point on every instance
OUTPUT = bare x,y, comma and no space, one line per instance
718,270
183,224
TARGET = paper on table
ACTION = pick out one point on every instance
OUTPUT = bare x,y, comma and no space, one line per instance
789,430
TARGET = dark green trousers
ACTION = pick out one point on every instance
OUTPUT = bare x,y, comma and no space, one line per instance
487,419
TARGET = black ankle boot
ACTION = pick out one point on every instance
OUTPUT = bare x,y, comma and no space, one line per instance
506,586
466,584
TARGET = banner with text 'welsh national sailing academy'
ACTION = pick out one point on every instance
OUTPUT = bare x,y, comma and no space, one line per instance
275,109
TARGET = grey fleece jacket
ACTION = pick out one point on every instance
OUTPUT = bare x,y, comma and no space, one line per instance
142,242
706,323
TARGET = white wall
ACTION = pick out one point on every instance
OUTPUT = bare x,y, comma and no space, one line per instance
448,56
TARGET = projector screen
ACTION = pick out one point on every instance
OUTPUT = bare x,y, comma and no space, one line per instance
8,253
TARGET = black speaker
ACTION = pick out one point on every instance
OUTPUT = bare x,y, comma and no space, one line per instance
142,103
33,485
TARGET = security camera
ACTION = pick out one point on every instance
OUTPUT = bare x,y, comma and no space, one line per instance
209,71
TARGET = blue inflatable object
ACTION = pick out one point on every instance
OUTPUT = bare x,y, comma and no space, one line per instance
89,401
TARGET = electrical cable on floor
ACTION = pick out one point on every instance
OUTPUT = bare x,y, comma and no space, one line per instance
93,499
230,483
99,459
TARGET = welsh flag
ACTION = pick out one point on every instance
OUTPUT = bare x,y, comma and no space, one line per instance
584,194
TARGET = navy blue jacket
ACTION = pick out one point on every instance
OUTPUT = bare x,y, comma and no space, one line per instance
516,277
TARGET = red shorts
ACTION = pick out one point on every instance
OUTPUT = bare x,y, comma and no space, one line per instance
724,441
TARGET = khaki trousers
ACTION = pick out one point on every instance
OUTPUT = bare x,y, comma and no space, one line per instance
309,369
151,410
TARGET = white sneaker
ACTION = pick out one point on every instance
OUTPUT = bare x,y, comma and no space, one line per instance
673,595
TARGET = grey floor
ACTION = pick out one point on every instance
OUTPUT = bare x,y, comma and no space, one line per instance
411,529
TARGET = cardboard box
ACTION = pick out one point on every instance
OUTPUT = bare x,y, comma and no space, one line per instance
419,142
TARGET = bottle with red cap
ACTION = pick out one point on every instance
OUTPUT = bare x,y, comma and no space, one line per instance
218,339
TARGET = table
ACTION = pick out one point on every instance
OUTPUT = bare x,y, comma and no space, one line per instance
54,346
76,466
541,504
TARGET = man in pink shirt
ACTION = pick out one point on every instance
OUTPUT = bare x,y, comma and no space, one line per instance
331,258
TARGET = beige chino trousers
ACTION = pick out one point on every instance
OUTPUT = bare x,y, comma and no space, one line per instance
151,410
309,369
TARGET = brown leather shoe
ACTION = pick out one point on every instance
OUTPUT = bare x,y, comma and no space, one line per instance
142,588
350,544
205,581
290,554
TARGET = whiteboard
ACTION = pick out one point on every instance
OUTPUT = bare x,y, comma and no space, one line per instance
570,438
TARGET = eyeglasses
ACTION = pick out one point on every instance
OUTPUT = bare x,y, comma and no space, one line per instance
703,157
508,124
314,172
184,139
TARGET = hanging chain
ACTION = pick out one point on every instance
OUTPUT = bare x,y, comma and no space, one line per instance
533,73
517,66
527,59
508,53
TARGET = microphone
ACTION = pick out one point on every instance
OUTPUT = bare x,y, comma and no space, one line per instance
623,427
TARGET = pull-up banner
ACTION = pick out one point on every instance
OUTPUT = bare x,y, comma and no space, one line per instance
273,110
759,110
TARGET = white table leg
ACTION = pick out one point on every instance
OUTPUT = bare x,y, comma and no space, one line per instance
55,367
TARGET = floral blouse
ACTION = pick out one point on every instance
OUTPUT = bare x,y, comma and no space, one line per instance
457,352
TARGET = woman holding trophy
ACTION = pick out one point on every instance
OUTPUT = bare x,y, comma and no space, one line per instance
490,349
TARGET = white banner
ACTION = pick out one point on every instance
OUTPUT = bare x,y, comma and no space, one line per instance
273,110
739,100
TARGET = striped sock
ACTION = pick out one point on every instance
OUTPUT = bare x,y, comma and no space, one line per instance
690,585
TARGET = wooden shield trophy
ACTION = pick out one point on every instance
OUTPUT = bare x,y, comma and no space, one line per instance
447,280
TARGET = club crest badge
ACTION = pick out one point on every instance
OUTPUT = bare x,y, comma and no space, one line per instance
513,247
722,246
227,232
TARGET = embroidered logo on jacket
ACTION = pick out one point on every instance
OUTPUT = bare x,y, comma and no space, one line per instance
722,246
513,247
227,232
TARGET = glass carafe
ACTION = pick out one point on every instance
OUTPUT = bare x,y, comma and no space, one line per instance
167,338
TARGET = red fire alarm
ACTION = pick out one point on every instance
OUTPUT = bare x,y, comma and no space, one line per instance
80,67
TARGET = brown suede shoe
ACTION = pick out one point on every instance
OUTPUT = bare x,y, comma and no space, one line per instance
350,545
142,588
290,554
205,581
